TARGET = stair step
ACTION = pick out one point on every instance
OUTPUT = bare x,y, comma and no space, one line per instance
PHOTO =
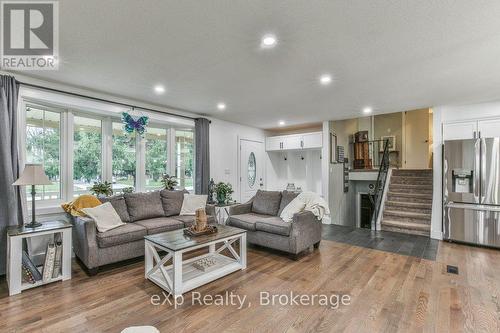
411,187
405,225
403,229
427,199
405,171
407,216
410,173
410,195
411,180
421,207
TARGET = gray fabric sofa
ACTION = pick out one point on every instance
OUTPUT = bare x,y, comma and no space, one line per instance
144,214
260,217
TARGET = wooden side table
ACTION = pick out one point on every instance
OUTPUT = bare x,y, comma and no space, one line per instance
15,236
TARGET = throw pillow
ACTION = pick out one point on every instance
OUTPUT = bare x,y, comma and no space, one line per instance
294,207
143,206
286,198
172,201
119,204
105,217
192,202
266,202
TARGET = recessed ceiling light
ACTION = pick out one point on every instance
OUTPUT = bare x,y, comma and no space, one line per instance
367,110
325,79
221,106
268,41
159,89
281,123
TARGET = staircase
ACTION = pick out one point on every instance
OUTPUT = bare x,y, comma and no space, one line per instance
408,205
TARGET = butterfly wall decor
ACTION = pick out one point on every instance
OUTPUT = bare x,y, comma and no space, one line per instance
131,124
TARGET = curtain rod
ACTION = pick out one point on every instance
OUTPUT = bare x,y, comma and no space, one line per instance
102,100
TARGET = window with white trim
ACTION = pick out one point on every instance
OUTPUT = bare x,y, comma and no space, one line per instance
124,158
79,147
87,153
184,151
156,157
43,146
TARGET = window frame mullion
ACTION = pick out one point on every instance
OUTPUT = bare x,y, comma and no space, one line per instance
66,156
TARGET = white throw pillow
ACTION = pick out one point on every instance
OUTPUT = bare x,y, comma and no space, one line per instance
105,217
192,202
295,206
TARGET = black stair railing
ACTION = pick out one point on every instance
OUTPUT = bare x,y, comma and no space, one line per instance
378,191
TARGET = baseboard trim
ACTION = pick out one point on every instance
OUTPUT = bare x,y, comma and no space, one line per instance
436,234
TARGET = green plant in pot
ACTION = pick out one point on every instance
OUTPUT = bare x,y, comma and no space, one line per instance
223,192
101,189
169,182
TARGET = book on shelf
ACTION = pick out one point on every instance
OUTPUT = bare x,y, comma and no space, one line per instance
27,276
57,260
48,266
30,266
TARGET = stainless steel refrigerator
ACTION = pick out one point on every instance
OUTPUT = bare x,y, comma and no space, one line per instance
471,191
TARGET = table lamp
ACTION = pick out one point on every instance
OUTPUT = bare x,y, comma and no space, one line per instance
33,174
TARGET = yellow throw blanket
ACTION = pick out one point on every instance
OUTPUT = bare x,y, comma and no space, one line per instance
83,201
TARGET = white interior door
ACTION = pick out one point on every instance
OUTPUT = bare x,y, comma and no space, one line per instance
416,154
251,168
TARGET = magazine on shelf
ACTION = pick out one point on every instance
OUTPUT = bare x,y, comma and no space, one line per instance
30,266
57,260
48,266
27,277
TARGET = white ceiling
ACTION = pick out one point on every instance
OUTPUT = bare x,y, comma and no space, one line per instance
392,55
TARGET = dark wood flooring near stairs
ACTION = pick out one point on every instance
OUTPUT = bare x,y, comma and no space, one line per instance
388,241
408,205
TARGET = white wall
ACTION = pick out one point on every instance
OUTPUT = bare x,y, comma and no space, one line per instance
445,114
303,168
224,151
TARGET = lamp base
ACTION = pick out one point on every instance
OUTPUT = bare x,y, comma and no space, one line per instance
33,225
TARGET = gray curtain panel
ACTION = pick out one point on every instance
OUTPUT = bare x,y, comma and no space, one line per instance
11,212
202,160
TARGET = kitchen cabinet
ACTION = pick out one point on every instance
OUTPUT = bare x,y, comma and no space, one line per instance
486,128
460,130
489,128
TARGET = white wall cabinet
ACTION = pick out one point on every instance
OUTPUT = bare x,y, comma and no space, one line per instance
488,128
292,142
295,141
274,143
312,140
460,131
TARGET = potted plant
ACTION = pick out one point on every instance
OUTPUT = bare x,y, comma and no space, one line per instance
102,189
223,192
169,182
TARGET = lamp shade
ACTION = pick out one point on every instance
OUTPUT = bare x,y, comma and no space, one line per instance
33,174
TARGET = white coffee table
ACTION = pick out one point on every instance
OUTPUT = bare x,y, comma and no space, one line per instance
181,275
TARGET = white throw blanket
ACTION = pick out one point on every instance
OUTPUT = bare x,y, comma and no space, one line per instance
306,201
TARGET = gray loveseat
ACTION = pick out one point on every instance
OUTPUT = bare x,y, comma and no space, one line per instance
260,217
144,214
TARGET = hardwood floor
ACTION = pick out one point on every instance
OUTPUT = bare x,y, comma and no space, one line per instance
389,293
